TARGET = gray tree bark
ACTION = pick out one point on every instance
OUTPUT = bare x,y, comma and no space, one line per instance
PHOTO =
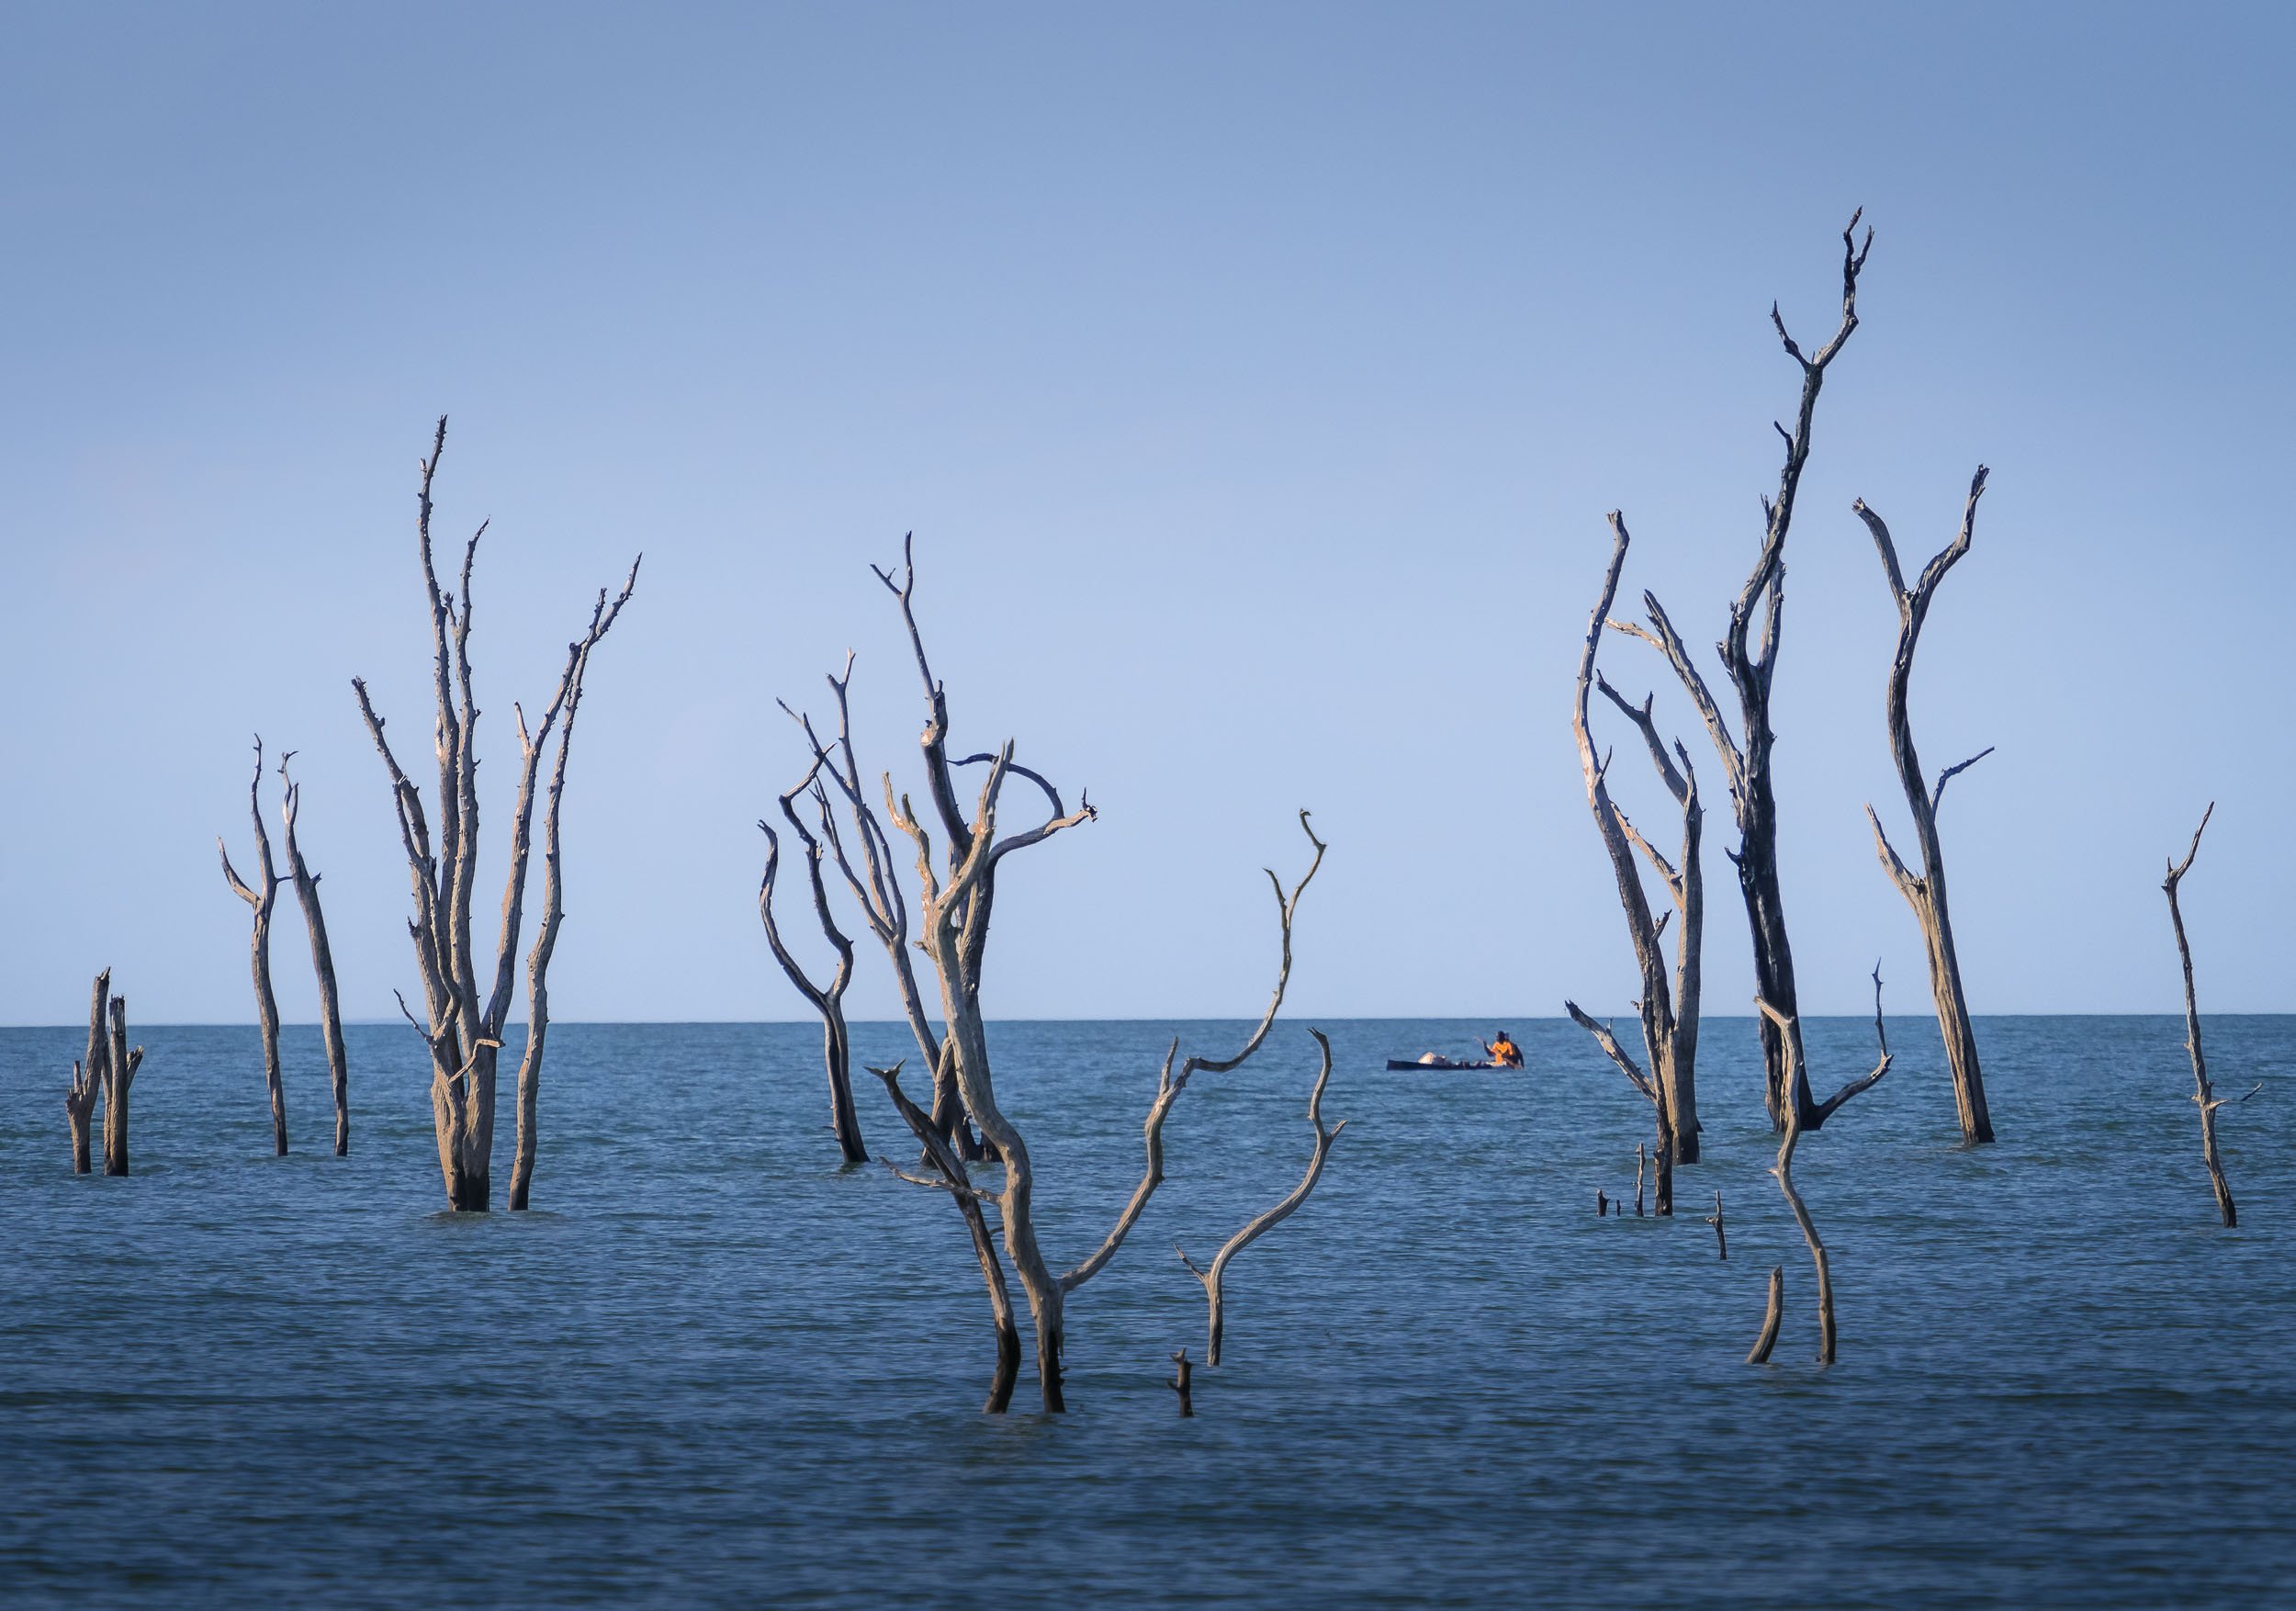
876,889
940,1152
1925,891
1783,1169
1746,764
1670,1037
2203,1093
120,1068
1214,1276
462,1027
322,960
88,1076
1772,1317
261,898
829,999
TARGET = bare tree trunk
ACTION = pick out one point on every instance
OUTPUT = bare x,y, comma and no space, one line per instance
1213,1276
1783,1169
1771,1316
262,899
88,1077
322,960
829,1001
1179,1382
941,1153
878,894
2203,1094
546,936
120,1067
1746,763
1925,891
1670,1040
462,1027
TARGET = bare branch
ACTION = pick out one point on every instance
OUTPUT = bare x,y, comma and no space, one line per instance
1267,1221
1608,1040
1169,1083
1937,796
2203,1093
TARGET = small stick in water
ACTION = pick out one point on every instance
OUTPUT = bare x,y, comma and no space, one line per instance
1178,1383
1721,1243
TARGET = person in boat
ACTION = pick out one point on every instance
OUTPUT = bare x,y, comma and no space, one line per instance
1504,1052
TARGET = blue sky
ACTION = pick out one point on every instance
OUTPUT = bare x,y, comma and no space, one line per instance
1256,380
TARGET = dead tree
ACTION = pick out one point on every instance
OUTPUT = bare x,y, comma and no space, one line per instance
262,899
323,959
1925,891
462,1026
1670,1018
1212,1275
120,1067
1746,759
88,1076
2203,1094
944,907
1791,1035
956,889
553,887
829,999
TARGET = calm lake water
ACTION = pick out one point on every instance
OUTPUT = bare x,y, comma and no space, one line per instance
714,1369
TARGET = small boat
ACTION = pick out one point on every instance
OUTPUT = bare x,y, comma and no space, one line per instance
1441,1065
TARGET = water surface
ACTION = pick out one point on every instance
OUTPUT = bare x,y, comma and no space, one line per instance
713,1368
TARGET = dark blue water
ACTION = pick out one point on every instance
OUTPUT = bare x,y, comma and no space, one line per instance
713,1370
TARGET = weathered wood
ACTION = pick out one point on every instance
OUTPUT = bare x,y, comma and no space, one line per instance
1783,1169
1925,891
944,909
1213,1276
1770,1319
462,1027
827,999
876,888
262,897
941,1153
2203,1093
1181,1371
323,959
87,1076
120,1068
1170,1084
1746,760
1668,1013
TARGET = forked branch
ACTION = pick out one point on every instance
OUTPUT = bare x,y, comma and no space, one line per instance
1213,1277
1170,1083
